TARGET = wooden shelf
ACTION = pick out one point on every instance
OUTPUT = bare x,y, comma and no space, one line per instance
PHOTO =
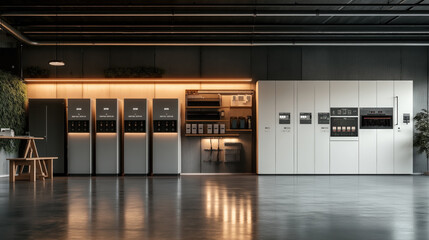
213,135
211,107
239,130
207,121
240,106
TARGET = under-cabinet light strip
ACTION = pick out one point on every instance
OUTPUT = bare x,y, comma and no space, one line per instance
133,80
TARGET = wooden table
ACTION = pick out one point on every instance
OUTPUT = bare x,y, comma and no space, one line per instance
41,167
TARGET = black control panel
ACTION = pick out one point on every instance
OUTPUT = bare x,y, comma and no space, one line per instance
135,126
284,118
344,111
406,118
304,118
108,126
78,126
376,118
323,118
344,122
344,127
165,125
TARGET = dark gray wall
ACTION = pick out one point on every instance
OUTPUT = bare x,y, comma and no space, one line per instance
259,63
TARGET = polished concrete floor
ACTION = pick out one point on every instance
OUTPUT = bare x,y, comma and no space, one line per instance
217,207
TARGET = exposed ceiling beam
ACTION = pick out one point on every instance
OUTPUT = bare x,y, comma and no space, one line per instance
264,5
359,13
348,26
321,32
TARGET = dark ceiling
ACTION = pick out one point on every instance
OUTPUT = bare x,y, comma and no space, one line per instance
326,21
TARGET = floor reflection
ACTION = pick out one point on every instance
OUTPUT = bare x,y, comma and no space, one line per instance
229,209
217,207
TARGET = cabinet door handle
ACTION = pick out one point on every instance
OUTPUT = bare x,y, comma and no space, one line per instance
397,110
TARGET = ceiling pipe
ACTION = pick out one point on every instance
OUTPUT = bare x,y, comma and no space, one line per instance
264,5
317,13
15,33
237,44
321,32
22,38
228,26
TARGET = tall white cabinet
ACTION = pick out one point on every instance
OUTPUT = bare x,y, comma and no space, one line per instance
295,134
367,137
305,143
403,129
266,108
344,151
285,145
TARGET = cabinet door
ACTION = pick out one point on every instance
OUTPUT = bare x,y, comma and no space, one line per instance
47,119
266,102
37,124
385,136
385,94
367,137
305,104
321,146
56,134
284,132
403,132
344,93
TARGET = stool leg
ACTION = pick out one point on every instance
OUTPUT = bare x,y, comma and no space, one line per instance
12,171
50,165
33,171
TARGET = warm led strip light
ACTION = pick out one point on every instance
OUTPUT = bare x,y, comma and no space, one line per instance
137,80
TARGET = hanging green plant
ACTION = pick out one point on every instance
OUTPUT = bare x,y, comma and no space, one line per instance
36,72
13,95
134,72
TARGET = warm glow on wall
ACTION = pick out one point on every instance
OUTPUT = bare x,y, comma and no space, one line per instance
139,80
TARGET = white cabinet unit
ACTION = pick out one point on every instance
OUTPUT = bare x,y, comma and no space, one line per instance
335,127
285,127
385,136
344,93
321,131
344,157
266,108
367,137
344,150
305,121
403,128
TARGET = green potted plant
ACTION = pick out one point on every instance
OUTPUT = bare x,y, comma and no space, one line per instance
421,137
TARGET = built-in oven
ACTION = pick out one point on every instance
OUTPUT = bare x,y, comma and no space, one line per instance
376,118
344,122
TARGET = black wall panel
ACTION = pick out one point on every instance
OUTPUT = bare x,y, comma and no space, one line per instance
95,60
179,62
227,62
351,63
284,63
9,60
131,57
73,58
259,63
